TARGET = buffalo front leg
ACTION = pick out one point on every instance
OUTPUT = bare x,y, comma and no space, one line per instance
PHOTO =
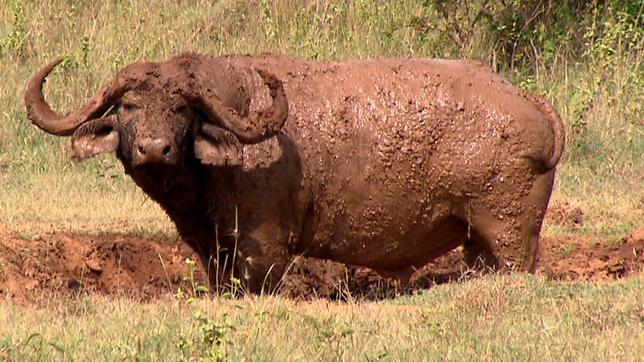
260,259
218,265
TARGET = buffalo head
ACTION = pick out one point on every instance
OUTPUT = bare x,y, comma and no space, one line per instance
155,113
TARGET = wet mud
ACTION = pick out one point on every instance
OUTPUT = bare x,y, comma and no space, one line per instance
33,269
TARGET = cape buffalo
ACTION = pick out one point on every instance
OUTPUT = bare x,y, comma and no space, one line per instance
379,163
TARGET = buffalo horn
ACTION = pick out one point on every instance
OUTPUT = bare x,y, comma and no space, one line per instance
255,127
41,114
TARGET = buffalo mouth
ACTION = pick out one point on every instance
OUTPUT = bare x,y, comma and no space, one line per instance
159,175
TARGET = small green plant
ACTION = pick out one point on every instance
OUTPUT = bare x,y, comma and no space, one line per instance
568,249
235,289
14,41
85,51
210,342
270,29
529,84
196,289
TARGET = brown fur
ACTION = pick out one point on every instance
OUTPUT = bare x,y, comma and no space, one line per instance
381,163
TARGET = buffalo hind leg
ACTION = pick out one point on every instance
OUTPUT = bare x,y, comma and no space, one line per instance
511,242
476,253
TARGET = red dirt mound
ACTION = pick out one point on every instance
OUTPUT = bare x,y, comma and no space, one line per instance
35,268
108,263
588,258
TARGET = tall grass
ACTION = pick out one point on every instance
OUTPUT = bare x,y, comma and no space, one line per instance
598,88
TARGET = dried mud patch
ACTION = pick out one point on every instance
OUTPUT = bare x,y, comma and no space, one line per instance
35,268
590,258
565,214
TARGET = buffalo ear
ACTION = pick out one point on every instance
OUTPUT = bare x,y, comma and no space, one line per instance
217,147
95,137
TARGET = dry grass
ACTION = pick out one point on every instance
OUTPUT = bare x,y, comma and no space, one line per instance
494,318
80,202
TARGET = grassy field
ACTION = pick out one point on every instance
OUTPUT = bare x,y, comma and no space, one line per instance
501,318
595,81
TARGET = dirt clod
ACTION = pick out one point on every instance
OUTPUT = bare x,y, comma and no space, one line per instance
566,215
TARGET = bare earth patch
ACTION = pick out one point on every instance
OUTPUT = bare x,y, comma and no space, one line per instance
35,268
41,266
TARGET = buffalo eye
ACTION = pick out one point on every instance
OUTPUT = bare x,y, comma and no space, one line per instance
129,107
104,131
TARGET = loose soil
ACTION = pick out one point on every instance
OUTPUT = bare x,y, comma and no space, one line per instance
33,269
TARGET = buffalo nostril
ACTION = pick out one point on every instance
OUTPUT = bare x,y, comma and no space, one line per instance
166,150
154,150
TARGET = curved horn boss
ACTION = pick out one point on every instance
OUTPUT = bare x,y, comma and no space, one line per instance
41,114
250,129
